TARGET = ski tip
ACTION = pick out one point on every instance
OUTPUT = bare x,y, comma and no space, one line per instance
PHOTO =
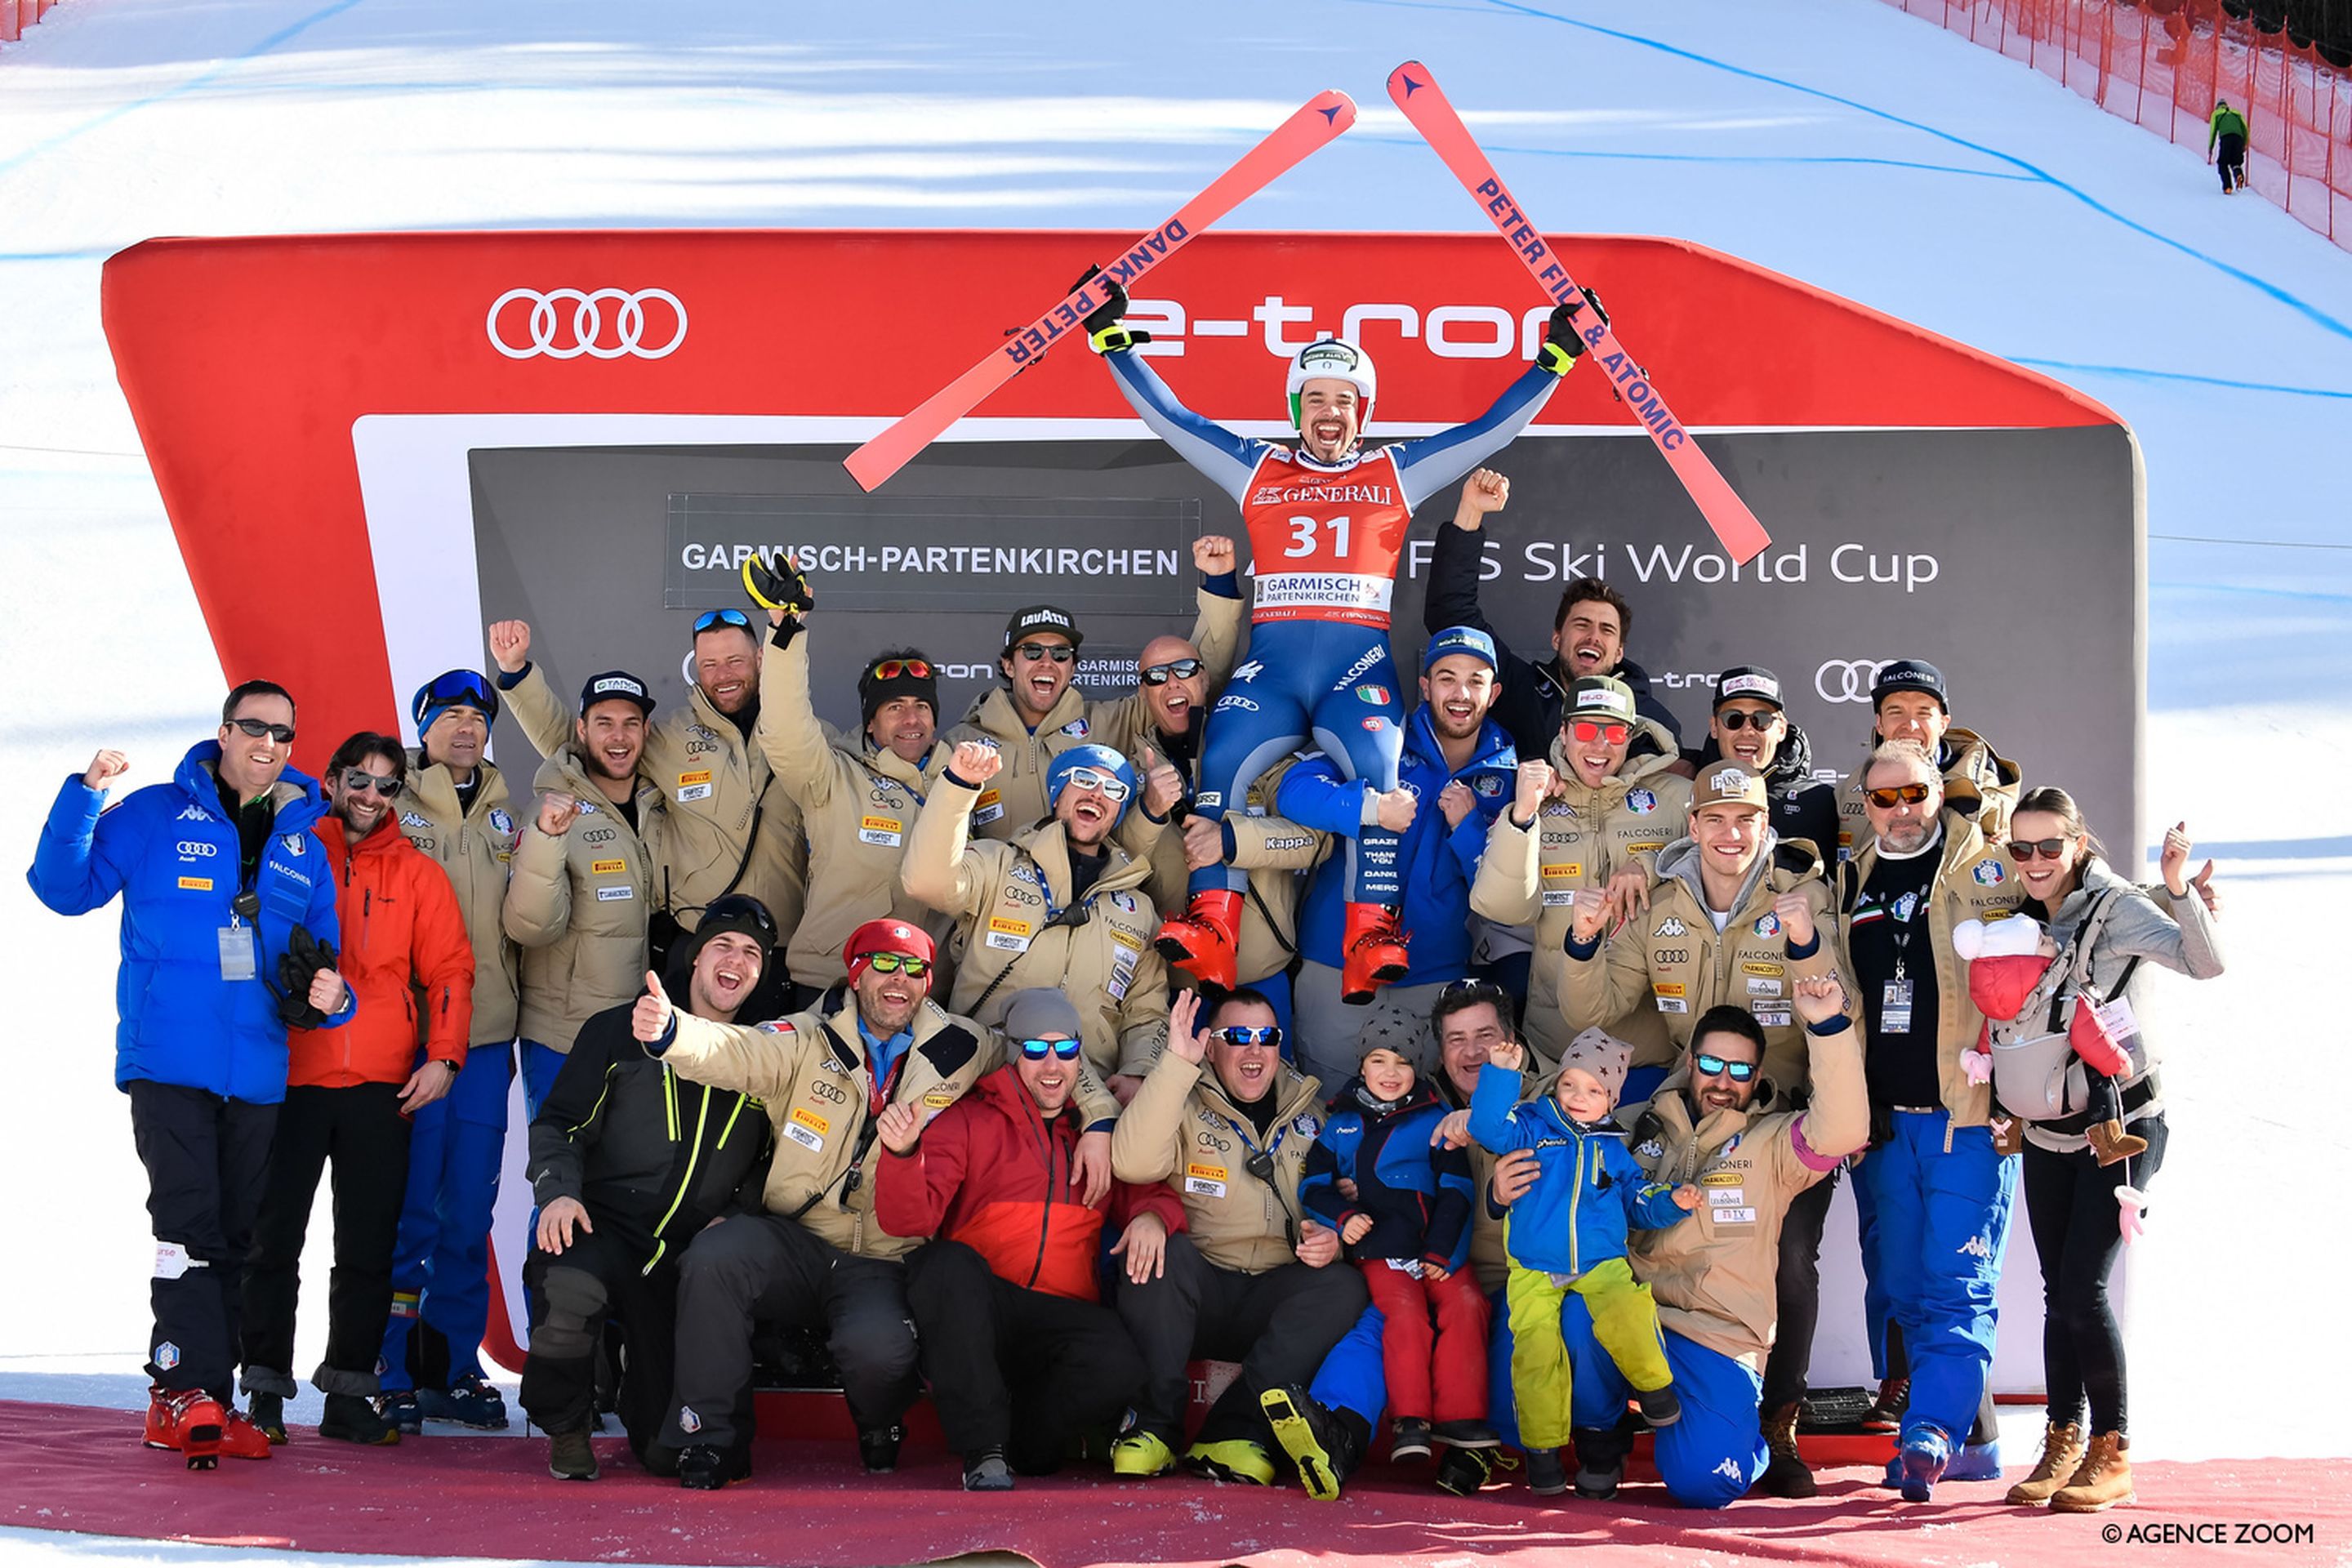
1338,109
1409,78
867,468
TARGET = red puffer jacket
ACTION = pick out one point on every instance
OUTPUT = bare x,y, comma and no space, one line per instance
995,1174
404,948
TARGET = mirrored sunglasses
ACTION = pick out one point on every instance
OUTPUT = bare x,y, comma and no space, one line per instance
1038,1050
1174,669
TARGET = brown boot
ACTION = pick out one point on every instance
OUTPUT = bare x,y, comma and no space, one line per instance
1787,1475
2062,1453
2110,1142
2102,1480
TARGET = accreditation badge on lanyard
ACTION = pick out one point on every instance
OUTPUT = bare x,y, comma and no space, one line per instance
238,960
1895,999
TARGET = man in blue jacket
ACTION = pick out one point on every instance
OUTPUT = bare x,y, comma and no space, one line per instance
225,900
1457,777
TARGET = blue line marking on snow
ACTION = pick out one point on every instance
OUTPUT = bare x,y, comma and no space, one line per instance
292,30
2141,373
2263,285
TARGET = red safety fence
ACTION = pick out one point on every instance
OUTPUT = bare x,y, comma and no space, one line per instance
15,15
2162,64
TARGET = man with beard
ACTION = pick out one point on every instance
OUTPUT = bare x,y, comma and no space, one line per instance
1589,630
1749,725
730,831
351,1093
583,877
453,806
629,1165
1457,777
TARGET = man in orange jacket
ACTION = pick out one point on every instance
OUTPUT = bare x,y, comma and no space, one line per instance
1017,1344
350,1093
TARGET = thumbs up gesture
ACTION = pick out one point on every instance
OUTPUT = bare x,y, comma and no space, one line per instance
654,1017
1163,786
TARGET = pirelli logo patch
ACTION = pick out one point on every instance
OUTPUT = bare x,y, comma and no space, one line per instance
812,1121
1564,868
1005,926
196,884
609,868
1671,988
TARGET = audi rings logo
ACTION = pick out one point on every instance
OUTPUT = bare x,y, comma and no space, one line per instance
1847,679
564,323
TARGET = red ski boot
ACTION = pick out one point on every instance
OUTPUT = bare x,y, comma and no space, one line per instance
1201,941
1374,949
188,1421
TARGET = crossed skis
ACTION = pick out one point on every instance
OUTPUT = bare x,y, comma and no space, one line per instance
1316,123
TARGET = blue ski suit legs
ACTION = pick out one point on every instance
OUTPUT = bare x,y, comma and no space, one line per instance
1353,1377
1713,1455
1941,1226
441,1262
1330,681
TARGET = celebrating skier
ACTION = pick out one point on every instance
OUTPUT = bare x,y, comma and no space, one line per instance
1327,522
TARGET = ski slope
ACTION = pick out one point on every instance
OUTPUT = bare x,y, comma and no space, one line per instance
1834,139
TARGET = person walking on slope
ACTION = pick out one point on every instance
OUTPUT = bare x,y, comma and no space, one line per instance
2227,129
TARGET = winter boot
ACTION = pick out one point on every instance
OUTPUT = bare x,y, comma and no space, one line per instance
241,1440
1465,1435
2110,1142
1885,1412
1787,1476
1234,1459
571,1456
2103,1479
1325,1445
985,1470
1374,952
878,1446
1201,942
1926,1454
1410,1440
469,1402
703,1469
352,1418
1600,1461
1462,1471
268,1417
1659,1407
2062,1455
1547,1477
1140,1455
399,1408
186,1420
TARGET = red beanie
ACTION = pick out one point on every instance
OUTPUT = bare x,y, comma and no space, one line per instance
887,936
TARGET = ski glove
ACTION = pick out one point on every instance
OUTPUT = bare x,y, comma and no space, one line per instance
1106,332
1563,344
787,590
304,958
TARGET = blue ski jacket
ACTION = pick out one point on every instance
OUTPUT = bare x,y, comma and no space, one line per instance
1589,1191
1419,1197
1438,863
172,852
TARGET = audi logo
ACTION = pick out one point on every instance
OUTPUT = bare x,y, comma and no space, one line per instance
550,336
195,849
1847,679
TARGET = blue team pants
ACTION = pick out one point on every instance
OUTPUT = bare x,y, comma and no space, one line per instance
1713,1455
1351,1377
441,1260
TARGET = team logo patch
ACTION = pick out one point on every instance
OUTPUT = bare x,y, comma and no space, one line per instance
1641,800
1487,784
1731,1143
499,821
1375,725
1905,906
1378,695
192,813
1075,728
1989,874
1768,926
687,1421
1671,926
293,842
1307,1126
167,1355
417,819
1123,901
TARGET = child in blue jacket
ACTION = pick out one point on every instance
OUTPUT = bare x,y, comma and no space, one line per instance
1407,1226
1568,1233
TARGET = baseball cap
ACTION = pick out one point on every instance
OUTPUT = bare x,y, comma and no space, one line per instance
615,683
1728,784
1909,675
1035,619
1604,696
1458,640
1751,680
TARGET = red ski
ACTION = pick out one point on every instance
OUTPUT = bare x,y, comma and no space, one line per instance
1317,122
1416,92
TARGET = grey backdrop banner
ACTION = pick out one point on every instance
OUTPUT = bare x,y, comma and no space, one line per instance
2013,559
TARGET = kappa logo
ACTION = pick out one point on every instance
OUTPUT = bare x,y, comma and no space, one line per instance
416,819
1249,671
1671,926
1730,1470
1989,874
1974,1246
1649,1150
192,813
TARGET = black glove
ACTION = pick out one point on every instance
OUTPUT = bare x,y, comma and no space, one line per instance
1563,344
1105,324
304,958
787,590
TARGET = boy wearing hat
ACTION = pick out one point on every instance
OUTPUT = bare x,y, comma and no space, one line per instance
1750,725
1593,816
1569,1233
1909,701
1407,1225
628,1165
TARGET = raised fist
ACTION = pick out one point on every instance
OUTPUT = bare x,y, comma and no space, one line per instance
1485,491
976,762
104,767
1796,912
557,812
1819,998
1591,909
1394,809
1535,781
1204,843
511,645
1214,554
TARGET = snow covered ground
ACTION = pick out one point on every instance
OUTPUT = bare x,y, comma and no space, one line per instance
1834,139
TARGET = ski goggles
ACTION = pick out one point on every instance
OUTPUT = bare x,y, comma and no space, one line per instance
1739,719
709,619
1901,795
1585,731
359,781
1174,669
1111,786
892,669
457,689
281,734
1059,652
1711,1066
893,962
2023,850
1243,1036
1038,1050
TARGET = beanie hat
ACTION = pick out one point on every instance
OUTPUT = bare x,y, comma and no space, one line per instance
1040,1010
738,912
1602,1053
1388,1027
1103,760
899,675
452,689
887,935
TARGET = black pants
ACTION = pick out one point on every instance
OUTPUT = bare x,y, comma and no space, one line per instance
207,1159
1796,1285
572,1296
1279,1325
1016,1368
2077,1231
361,1128
2232,165
767,1267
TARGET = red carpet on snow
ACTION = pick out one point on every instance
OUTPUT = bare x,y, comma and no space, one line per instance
68,1467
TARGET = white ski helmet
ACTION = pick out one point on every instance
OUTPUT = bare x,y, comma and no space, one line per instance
1334,359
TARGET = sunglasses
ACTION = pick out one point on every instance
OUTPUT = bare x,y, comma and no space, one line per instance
281,734
1112,786
1585,731
359,781
2024,849
1038,1050
1174,669
1059,652
893,962
709,619
1901,795
1716,1067
892,669
1240,1035
1738,719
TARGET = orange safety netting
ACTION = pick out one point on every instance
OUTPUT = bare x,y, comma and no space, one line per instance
2162,64
15,15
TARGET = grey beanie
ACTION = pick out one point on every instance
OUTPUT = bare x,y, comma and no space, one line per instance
1040,1011
1390,1027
